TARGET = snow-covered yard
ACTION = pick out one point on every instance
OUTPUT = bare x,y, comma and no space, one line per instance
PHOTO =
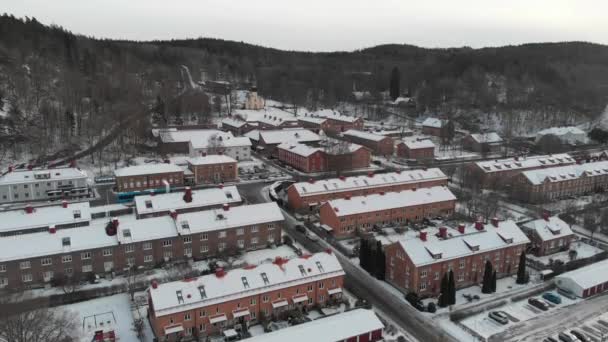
583,251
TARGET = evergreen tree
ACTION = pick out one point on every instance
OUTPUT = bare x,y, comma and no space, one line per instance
443,295
486,286
521,270
451,289
363,254
494,281
394,88
380,261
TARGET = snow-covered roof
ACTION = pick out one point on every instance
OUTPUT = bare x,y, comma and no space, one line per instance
218,219
364,135
528,162
339,147
41,175
588,276
108,207
25,246
338,327
253,135
224,139
486,138
459,245
200,198
334,115
362,182
146,169
434,122
268,115
415,143
390,200
288,135
146,229
239,283
392,131
549,229
173,136
211,159
299,149
566,173
560,131
310,119
233,122
18,220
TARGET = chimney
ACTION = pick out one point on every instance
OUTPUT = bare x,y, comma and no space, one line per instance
203,154
461,228
226,207
381,193
221,186
398,172
29,209
423,236
188,195
516,158
347,197
220,152
72,163
64,204
413,189
115,222
154,284
30,167
219,272
10,168
479,225
342,178
546,215
311,181
328,251
370,175
494,221
52,229
152,192
443,232
173,214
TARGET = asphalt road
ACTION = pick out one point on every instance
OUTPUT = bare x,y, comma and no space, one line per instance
359,282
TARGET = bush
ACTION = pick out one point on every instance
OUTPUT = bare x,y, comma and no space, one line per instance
431,307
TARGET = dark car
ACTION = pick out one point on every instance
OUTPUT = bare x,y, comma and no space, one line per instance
538,304
499,317
567,337
566,293
300,228
580,335
550,339
552,297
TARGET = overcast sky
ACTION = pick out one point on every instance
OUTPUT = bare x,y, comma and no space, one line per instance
327,25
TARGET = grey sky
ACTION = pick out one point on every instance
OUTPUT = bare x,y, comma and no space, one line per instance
325,25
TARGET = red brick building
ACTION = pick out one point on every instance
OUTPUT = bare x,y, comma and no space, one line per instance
482,142
208,305
554,183
316,159
149,176
216,168
268,141
418,263
314,124
305,195
30,260
416,149
548,235
348,216
336,122
434,126
379,144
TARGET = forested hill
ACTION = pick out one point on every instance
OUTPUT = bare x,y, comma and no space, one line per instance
51,79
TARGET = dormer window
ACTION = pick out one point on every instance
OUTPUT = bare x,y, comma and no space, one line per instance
265,278
65,242
245,282
148,204
320,267
185,225
180,297
76,214
126,233
302,270
201,290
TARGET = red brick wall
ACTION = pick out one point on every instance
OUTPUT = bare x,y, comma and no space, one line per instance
417,153
214,173
152,181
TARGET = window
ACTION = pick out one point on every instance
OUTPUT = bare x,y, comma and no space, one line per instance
188,330
265,299
131,262
46,261
253,301
240,231
26,278
129,248
168,254
65,242
187,317
204,248
265,278
271,226
423,274
320,267
436,275
107,252
460,276
221,246
2,268
321,285
180,297
148,204
309,288
66,258
302,270
68,271
25,265
221,234
147,245
240,243
147,258
167,243
321,298
188,252
87,268
204,237
85,255
254,241
201,327
461,264
187,239
203,313
422,286
254,229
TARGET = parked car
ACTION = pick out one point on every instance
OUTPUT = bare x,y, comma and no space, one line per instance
579,334
552,297
550,339
535,302
311,236
499,317
566,293
567,337
377,162
300,228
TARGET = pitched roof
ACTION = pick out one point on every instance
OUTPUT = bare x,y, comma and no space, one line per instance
390,200
233,122
146,169
434,122
223,140
588,276
311,119
524,162
559,131
334,115
242,282
19,220
486,138
173,135
211,159
288,135
299,149
550,229
147,204
365,135
41,175
564,173
415,143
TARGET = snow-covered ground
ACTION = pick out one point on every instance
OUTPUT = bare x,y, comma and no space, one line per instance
583,250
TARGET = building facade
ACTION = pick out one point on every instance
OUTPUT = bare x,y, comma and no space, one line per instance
419,149
336,122
322,159
379,144
307,195
482,142
43,185
268,141
213,169
548,235
585,282
434,126
349,216
208,305
150,176
417,264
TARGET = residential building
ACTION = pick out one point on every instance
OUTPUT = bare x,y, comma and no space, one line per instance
349,216
236,126
209,305
379,144
148,176
586,281
489,142
268,141
218,142
355,325
554,183
314,124
214,168
337,122
330,157
418,263
30,260
41,218
306,195
493,173
187,201
43,185
548,235
416,148
568,135
267,118
434,126
302,157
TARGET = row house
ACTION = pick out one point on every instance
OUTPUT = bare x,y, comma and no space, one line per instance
43,184
435,126
218,142
328,158
350,326
307,195
489,142
215,168
418,149
148,176
335,122
34,259
209,305
348,216
313,123
554,183
40,218
236,126
548,235
493,173
379,144
418,263
268,141
188,201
